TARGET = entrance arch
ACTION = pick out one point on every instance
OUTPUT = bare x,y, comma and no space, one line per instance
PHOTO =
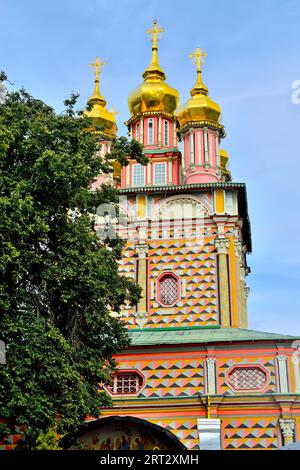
121,433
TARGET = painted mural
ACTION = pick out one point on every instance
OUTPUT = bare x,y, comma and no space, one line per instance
122,436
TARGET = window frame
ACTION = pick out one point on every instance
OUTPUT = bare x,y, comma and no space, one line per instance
150,121
166,133
139,165
155,164
247,366
158,283
110,389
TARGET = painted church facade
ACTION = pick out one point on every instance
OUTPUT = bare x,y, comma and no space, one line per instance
193,368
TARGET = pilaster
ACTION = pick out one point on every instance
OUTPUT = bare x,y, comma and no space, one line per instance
287,426
222,246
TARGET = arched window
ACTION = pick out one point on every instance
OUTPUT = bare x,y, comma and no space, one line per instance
126,382
137,131
168,289
150,132
166,133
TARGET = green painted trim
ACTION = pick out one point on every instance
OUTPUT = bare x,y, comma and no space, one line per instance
177,328
161,151
151,188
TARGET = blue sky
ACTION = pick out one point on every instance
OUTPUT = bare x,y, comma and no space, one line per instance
253,58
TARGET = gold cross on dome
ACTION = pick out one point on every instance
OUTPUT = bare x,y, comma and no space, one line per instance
198,57
97,65
154,33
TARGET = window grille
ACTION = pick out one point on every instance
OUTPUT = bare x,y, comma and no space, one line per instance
247,378
138,175
126,382
168,290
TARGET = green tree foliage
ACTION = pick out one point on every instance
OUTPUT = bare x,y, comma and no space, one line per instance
58,280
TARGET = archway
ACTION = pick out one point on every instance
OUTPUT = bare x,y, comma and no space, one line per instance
121,433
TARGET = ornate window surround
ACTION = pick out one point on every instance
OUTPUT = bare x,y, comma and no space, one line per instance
247,365
158,282
110,389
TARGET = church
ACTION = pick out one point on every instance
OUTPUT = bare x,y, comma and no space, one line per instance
194,377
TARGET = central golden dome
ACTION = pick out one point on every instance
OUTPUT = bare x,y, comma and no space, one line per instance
154,94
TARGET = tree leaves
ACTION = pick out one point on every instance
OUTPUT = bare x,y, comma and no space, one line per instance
58,281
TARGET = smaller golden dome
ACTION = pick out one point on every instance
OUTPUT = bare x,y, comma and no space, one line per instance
224,160
199,108
98,112
154,94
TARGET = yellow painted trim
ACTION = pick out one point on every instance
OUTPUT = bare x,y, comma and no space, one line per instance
219,198
291,374
141,207
233,284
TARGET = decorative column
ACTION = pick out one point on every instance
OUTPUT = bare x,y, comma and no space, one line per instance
142,131
141,311
199,148
127,170
183,170
287,426
242,275
174,135
211,376
148,173
206,155
282,374
296,362
238,255
159,136
170,171
245,313
222,245
218,161
192,149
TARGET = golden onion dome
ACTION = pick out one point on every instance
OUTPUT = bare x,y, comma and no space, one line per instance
98,112
154,94
200,107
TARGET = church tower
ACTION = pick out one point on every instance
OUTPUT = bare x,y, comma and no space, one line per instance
194,375
188,222
153,123
103,121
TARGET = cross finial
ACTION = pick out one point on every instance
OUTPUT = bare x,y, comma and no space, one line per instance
198,58
97,65
154,33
